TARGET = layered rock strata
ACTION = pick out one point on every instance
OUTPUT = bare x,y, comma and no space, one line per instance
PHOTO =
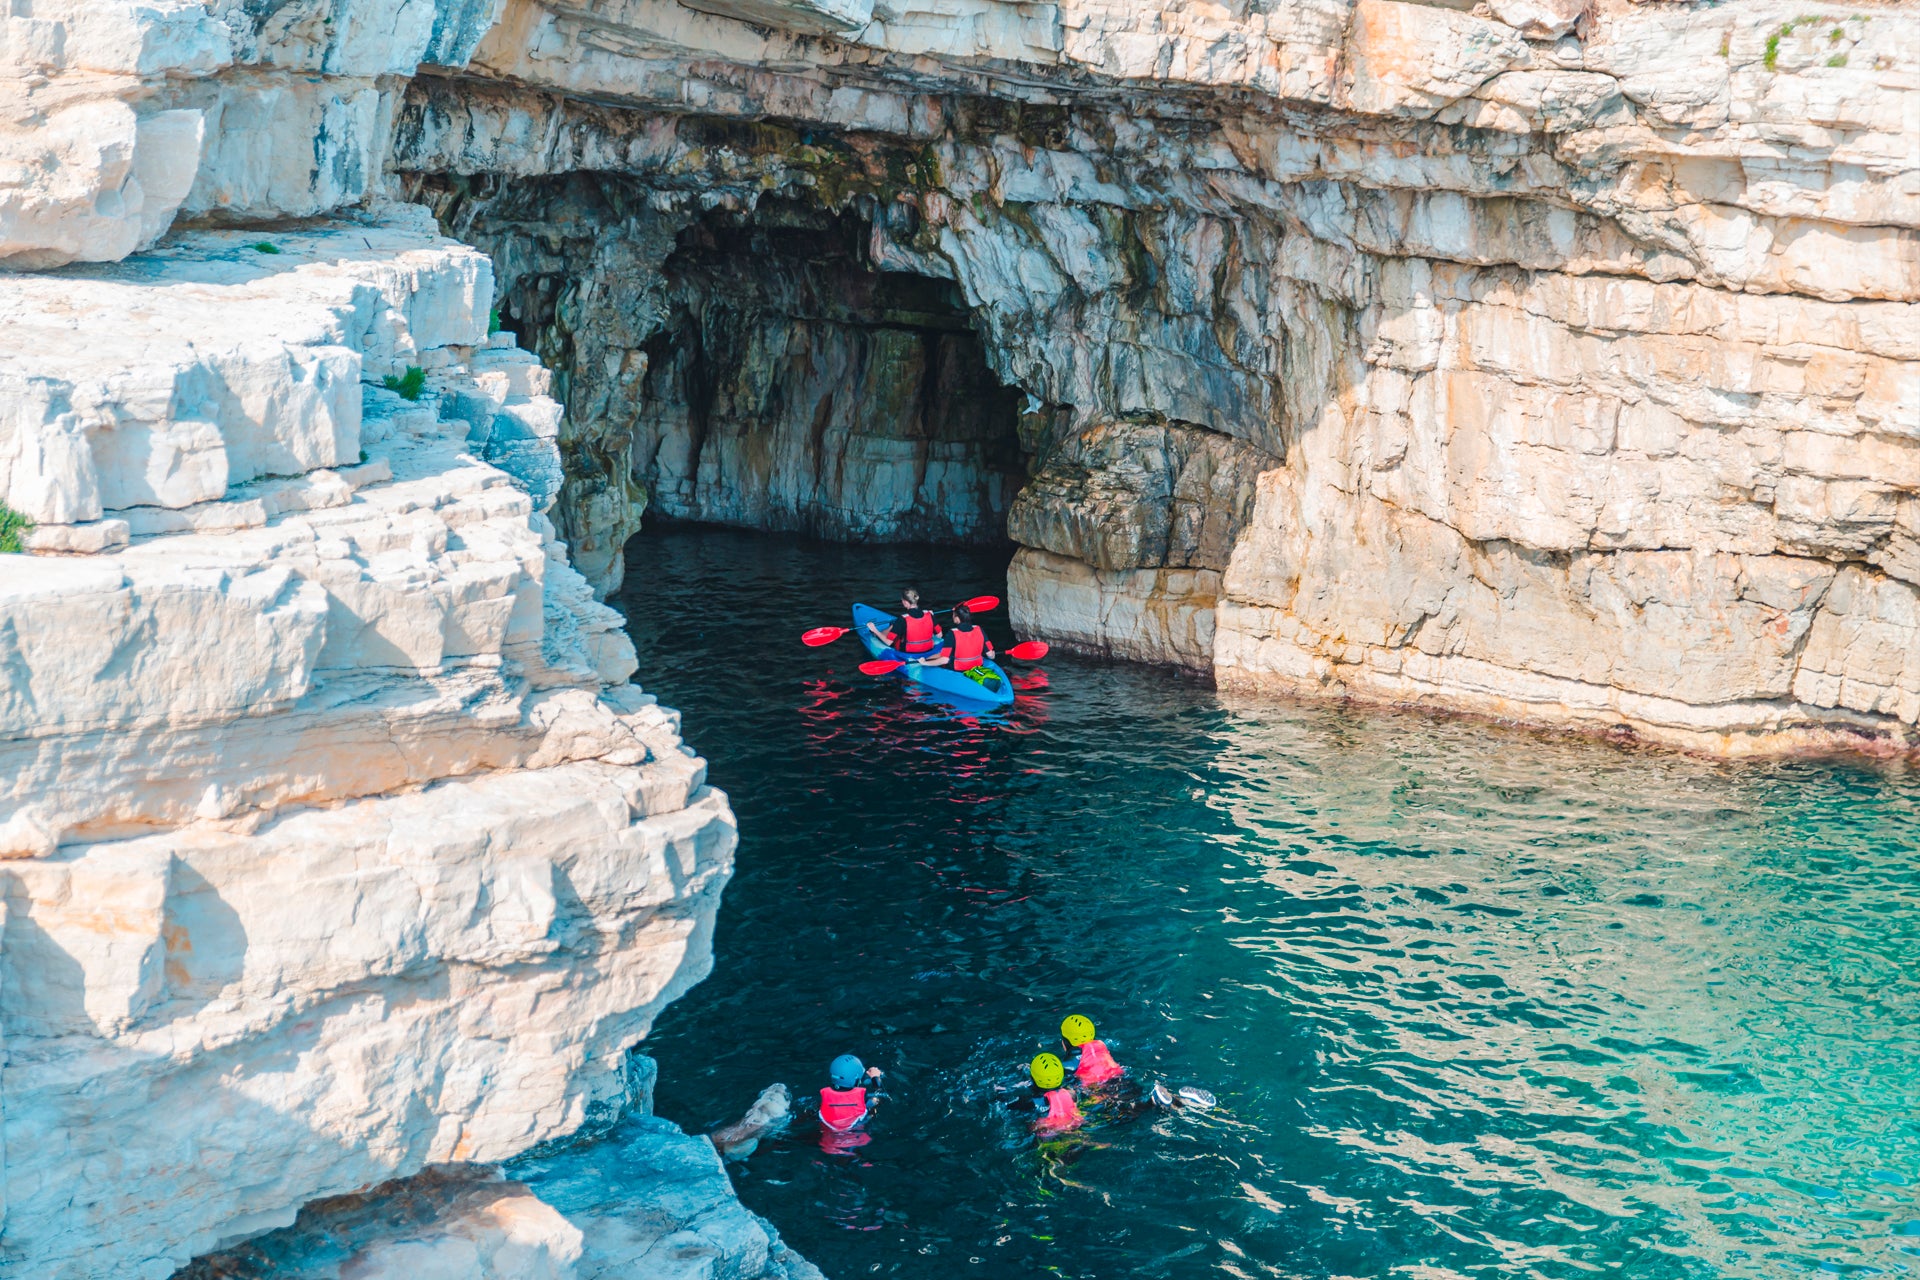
333,840
1581,338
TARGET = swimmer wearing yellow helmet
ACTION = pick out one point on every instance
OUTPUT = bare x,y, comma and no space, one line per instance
1095,1065
1058,1110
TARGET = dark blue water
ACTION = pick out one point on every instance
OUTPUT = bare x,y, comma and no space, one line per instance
1475,1002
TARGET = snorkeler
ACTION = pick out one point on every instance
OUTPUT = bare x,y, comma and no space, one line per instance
1051,1098
1095,1066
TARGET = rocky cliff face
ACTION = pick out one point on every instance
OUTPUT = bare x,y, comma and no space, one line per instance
334,840
1558,360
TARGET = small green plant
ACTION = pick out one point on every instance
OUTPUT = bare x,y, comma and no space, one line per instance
408,385
13,528
1725,41
266,246
1837,60
1836,36
1773,46
363,455
493,319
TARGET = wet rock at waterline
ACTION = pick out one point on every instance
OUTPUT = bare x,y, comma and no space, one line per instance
567,1214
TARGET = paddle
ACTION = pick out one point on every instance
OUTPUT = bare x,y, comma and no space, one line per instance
881,666
818,636
1031,651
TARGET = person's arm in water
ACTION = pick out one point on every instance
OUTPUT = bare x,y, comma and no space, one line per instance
875,1078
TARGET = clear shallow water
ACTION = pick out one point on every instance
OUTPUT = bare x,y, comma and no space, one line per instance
1475,1002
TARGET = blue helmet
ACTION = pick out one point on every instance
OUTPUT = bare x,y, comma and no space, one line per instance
846,1071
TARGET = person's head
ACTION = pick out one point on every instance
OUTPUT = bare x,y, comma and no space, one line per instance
1076,1030
846,1071
962,616
909,599
1047,1072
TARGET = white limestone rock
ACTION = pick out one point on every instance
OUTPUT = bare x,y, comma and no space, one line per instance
332,842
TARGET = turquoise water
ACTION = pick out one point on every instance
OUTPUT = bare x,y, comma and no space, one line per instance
1475,1002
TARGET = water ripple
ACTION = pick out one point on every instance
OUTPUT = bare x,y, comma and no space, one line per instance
1475,1002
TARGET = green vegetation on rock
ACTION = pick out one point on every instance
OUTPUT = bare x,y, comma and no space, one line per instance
13,526
409,385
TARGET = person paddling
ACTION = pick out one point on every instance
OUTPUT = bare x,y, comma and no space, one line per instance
971,647
844,1103
1051,1098
914,631
1095,1065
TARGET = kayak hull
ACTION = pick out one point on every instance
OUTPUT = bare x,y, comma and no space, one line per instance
940,680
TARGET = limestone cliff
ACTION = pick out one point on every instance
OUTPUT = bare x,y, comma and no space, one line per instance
337,842
1557,359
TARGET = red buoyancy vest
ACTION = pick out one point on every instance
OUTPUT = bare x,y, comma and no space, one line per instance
969,647
841,1109
1062,1111
1096,1064
919,632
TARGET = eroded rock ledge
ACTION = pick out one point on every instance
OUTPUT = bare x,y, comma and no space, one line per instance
333,840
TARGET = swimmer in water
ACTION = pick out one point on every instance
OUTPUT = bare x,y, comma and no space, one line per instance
1058,1112
845,1103
1093,1066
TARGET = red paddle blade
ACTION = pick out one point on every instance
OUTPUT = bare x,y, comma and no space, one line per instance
821,635
983,604
1031,651
881,666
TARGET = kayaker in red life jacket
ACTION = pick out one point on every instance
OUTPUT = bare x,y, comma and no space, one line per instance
845,1105
1095,1065
1052,1099
970,644
914,631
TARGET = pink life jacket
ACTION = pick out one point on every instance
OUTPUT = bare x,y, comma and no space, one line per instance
1096,1064
1062,1111
919,632
969,647
841,1109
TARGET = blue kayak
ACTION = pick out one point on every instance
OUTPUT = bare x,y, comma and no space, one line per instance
939,679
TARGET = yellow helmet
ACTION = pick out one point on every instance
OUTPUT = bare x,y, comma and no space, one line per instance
1047,1071
1077,1030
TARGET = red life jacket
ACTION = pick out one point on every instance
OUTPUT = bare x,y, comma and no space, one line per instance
1062,1111
841,1109
919,632
1096,1064
969,647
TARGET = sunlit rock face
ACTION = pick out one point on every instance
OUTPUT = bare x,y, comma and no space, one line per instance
1575,345
1552,360
333,840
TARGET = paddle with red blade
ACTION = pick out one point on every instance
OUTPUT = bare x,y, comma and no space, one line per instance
818,636
881,666
1031,651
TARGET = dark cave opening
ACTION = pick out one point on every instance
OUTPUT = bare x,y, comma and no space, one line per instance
792,387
